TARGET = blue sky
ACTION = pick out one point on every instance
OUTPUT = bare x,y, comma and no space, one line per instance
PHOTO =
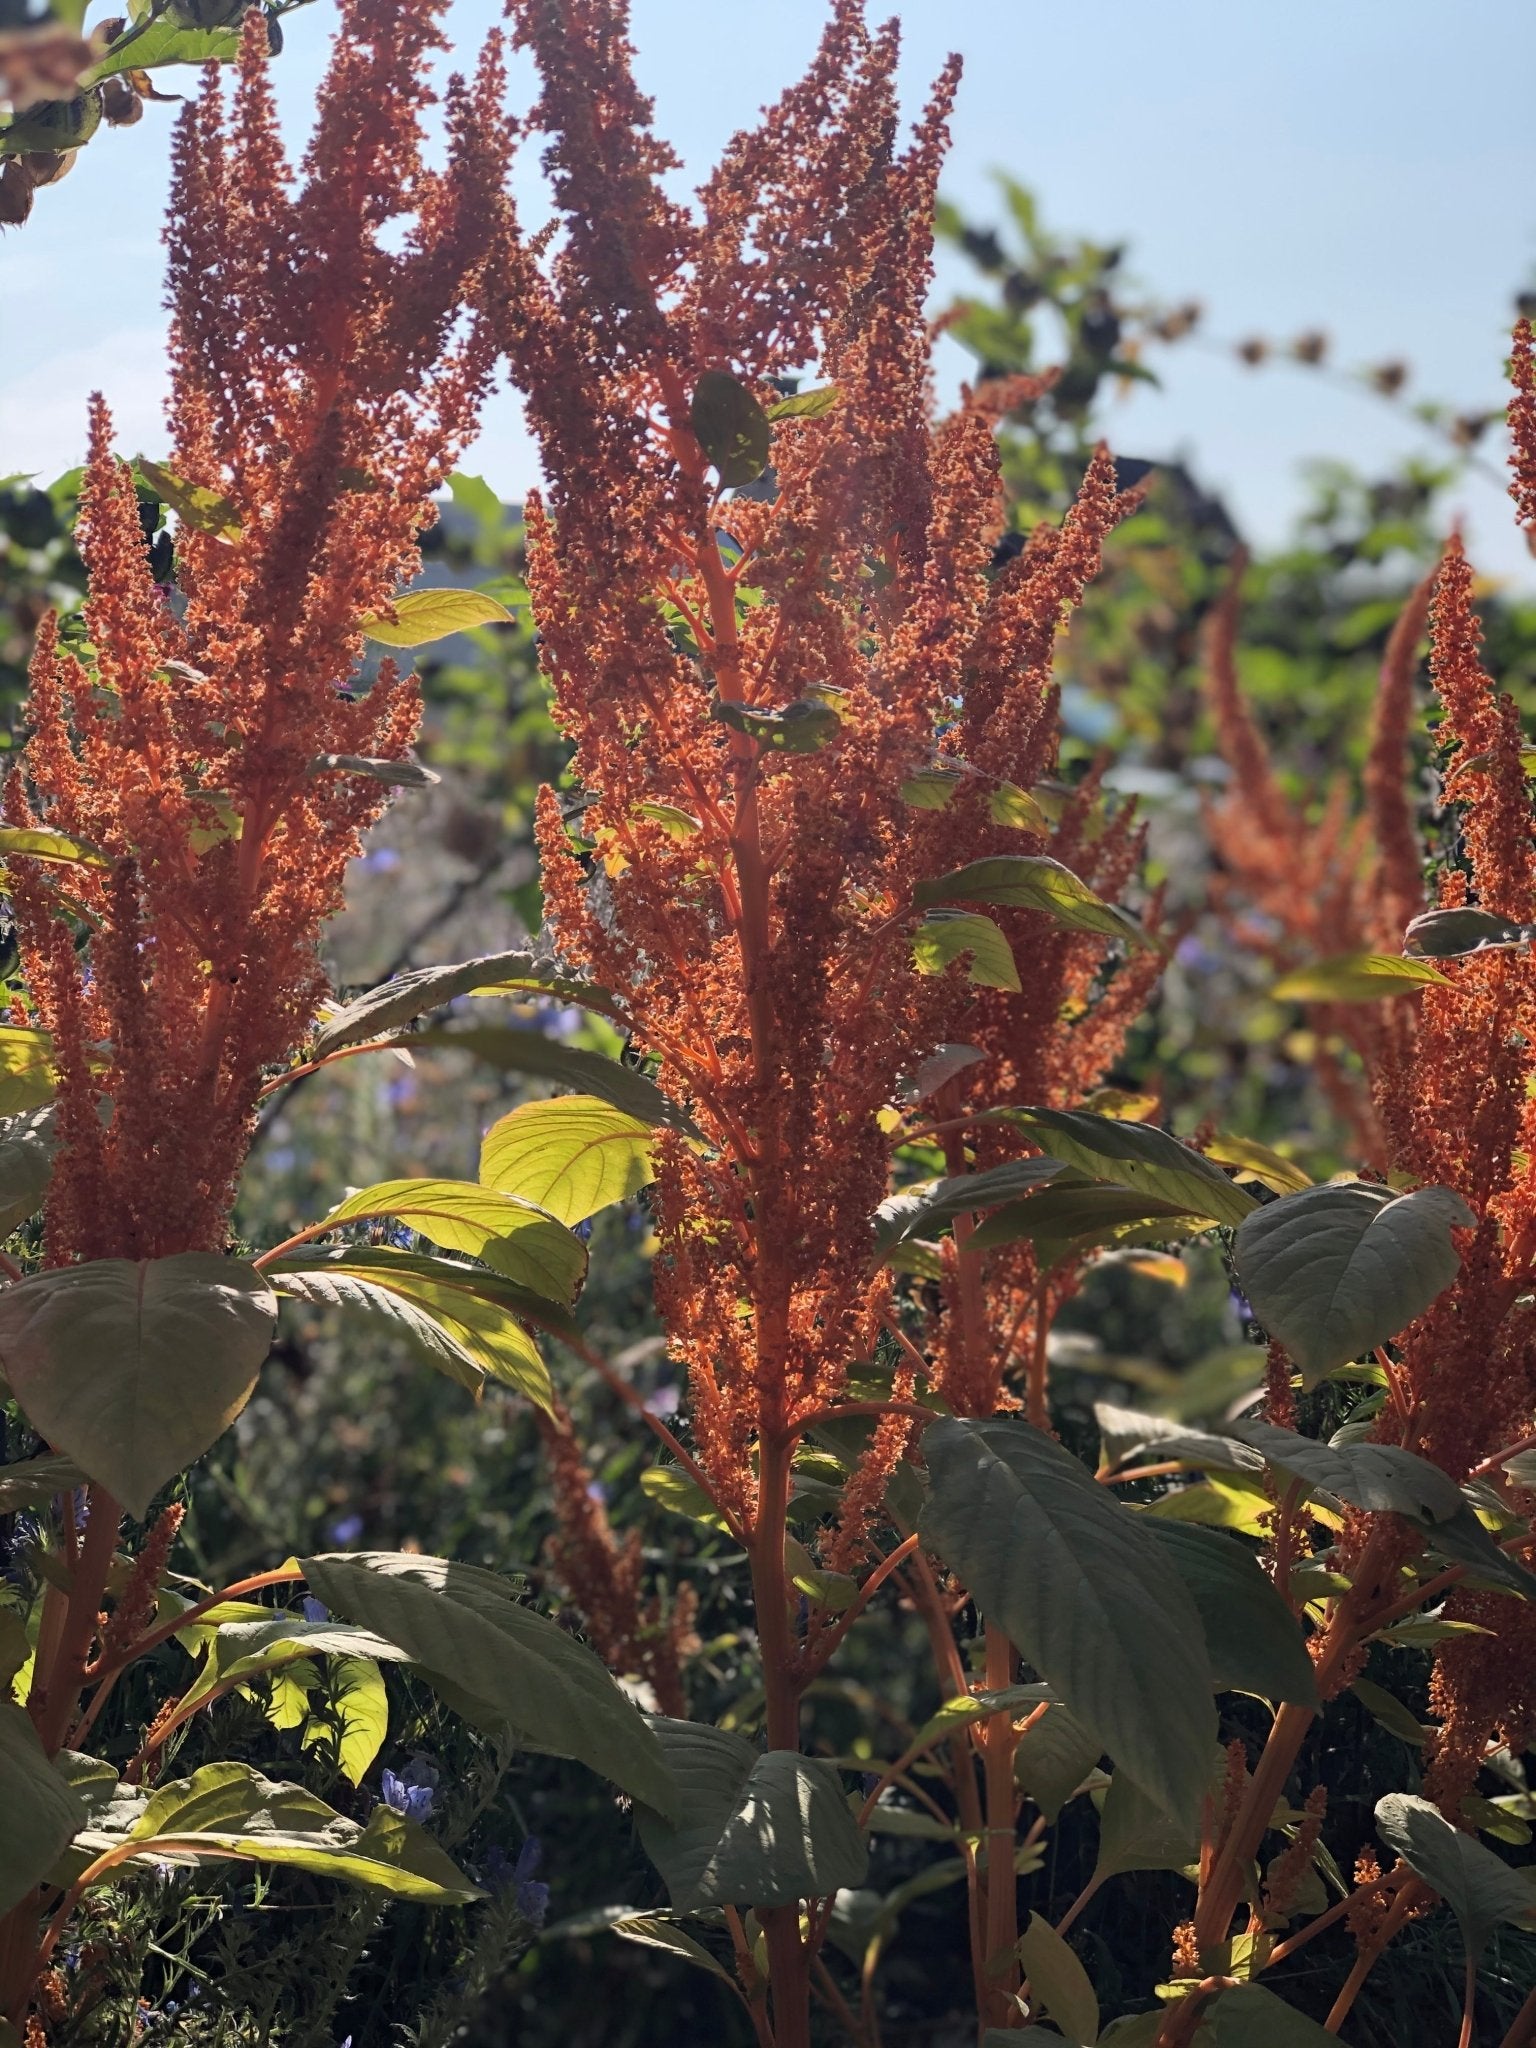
1365,167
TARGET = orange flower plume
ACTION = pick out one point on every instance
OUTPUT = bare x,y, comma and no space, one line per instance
322,385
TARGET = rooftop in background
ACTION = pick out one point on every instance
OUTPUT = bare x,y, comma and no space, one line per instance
1353,169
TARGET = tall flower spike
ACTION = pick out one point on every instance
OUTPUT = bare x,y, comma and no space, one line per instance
1522,428
323,382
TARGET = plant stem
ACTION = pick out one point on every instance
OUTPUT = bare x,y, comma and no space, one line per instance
56,1685
1469,2003
997,1742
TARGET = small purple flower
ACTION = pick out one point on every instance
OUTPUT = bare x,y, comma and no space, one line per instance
316,1610
663,1400
596,1491
382,859
502,1874
1240,1306
346,1529
584,1229
414,1801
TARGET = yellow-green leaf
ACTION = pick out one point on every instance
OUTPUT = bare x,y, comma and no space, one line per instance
39,844
1254,1161
511,1235
195,505
422,616
1357,978
26,1069
572,1156
948,935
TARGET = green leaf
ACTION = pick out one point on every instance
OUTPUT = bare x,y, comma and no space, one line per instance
932,788
916,1211
1448,934
677,824
41,1812
1389,1710
948,935
511,1235
360,1704
195,505
1053,1759
1032,882
731,427
1080,1586
650,1930
572,1156
1136,1834
243,1650
1125,1433
229,1810
1257,1162
37,844
35,1480
967,1707
132,1368
1251,1636
513,1667
26,1165
803,727
26,1069
1058,1983
1072,1219
750,1828
166,41
460,1333
673,1490
422,616
1338,1270
516,1051
1151,1161
805,405
409,996
1479,1887
1383,1479
1009,805
397,774
448,1289
1357,978
1248,2016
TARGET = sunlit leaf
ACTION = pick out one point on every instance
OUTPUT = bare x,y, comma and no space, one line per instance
195,505
1032,882
1136,1155
511,1235
1356,978
948,935
572,1156
36,843
422,616
1479,1887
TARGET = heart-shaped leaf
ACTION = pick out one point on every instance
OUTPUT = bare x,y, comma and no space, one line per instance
1338,1270
751,1828
134,1367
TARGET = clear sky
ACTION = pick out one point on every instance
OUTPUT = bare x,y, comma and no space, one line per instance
1361,165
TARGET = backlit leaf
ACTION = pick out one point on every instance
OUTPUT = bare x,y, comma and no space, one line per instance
948,935
408,996
731,427
26,1069
1139,1156
36,843
1032,882
195,505
132,1368
1356,978
1258,1162
422,616
511,1235
515,1051
572,1156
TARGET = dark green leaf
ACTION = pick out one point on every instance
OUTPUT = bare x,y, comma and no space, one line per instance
409,996
1448,934
1251,1636
1126,1432
1053,1758
467,1627
1136,1834
132,1368
516,1051
1141,1157
1388,1709
1380,1478
1058,1984
1072,1219
1248,2016
1479,1887
35,1480
916,1211
41,1812
750,1828
731,427
1080,1586
1340,1269
26,1165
